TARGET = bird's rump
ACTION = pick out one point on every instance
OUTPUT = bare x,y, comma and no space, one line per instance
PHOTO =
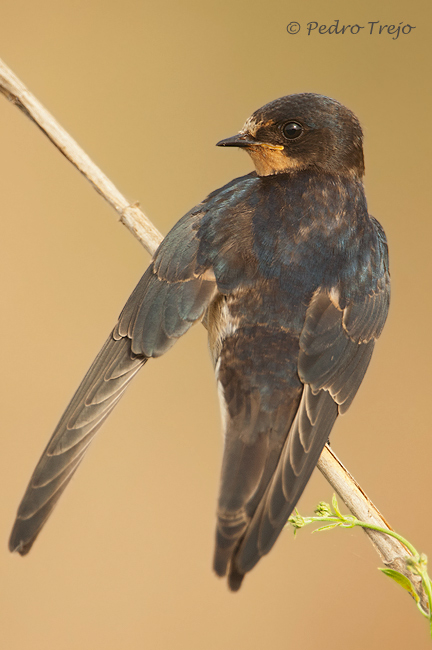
259,393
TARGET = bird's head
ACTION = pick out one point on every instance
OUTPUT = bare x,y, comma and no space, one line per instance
305,131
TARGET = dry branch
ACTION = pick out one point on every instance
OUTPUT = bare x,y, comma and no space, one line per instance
391,551
130,215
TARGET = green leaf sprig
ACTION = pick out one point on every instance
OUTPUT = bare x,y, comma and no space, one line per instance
416,563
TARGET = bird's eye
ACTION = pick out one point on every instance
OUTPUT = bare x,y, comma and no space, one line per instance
292,130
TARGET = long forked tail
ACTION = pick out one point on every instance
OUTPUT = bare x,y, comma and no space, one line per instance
95,398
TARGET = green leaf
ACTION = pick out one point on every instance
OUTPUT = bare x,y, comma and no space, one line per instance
323,510
318,530
336,507
402,580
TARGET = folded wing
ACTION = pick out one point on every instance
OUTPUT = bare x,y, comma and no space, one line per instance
170,297
331,358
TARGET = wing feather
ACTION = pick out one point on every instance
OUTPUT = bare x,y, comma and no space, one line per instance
334,350
160,309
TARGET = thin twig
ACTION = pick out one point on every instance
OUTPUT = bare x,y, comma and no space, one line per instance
390,550
393,554
130,215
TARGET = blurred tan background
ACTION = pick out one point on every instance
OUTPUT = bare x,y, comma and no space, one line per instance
125,561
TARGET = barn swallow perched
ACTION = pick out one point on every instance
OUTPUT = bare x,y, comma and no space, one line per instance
289,273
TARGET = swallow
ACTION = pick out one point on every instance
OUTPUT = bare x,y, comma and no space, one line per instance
289,274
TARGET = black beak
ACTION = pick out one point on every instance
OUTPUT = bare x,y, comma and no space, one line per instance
239,140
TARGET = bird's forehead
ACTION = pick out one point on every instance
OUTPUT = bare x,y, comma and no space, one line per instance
254,123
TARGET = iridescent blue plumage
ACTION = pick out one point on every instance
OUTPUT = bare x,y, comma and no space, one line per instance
289,273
